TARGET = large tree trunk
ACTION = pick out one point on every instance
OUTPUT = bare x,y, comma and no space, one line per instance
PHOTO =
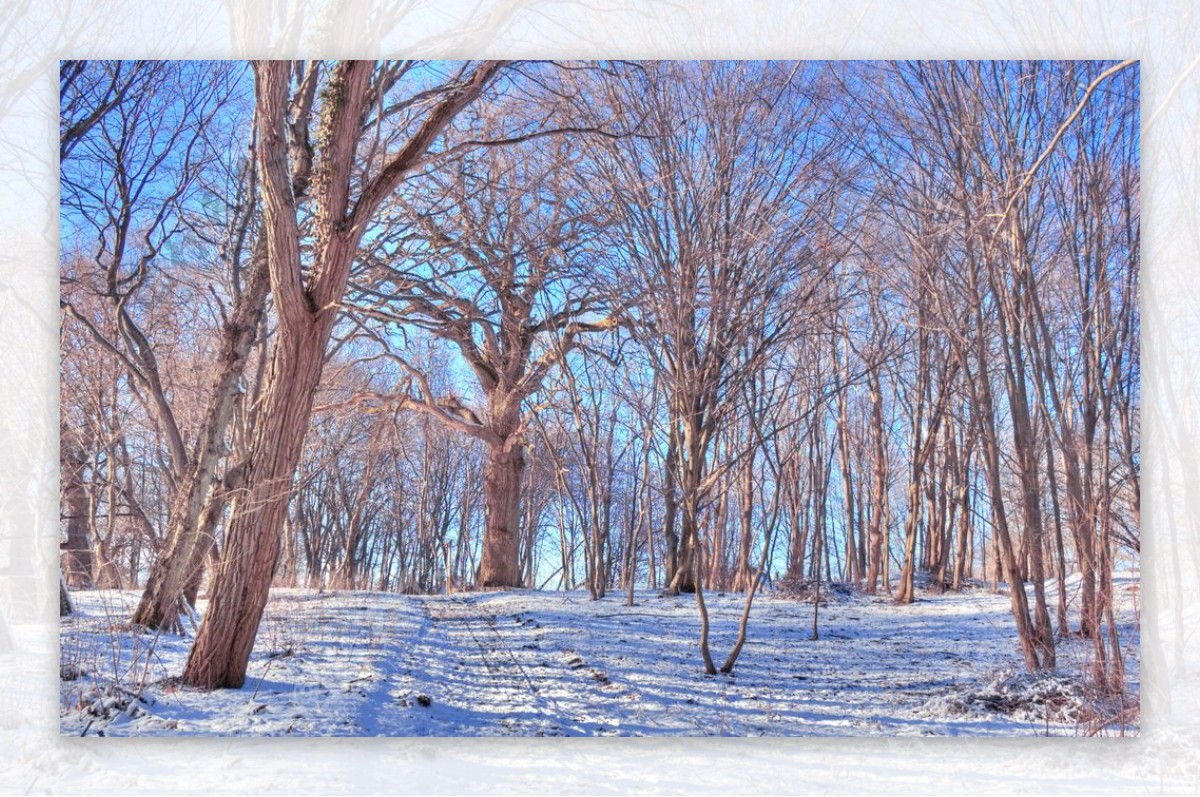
252,542
500,565
690,461
686,578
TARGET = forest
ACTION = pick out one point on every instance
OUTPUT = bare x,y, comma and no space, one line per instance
746,337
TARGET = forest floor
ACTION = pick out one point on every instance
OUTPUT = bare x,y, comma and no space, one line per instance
524,663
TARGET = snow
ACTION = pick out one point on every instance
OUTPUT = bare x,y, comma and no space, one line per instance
524,663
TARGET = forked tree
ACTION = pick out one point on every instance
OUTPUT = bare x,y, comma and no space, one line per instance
496,262
308,275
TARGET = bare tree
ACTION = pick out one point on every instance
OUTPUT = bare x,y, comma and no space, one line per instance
135,141
587,452
722,248
307,291
495,264
177,570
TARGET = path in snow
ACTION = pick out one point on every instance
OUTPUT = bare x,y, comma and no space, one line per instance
472,671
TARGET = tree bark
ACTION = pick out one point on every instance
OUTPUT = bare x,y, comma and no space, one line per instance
500,563
223,644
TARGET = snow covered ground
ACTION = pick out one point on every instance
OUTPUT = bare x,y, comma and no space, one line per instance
553,664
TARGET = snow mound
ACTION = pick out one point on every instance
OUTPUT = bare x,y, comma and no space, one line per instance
1044,697
805,590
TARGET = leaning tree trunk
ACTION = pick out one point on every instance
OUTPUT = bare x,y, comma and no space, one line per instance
179,563
500,565
223,643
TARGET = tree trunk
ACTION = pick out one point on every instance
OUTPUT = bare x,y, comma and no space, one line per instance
685,577
64,599
670,535
500,565
252,542
907,592
744,577
964,528
1027,456
1006,564
348,571
1033,532
178,564
307,308
878,515
689,468
1082,517
1064,628
853,571
77,563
